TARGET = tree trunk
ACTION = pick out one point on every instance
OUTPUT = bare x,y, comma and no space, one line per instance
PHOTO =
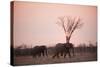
67,39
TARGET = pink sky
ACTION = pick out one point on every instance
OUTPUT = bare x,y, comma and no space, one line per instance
35,23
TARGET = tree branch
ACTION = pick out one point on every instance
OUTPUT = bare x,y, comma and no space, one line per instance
69,25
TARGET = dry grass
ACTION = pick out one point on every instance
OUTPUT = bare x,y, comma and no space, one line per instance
29,60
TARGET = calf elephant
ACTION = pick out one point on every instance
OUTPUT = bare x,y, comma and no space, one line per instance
39,51
63,49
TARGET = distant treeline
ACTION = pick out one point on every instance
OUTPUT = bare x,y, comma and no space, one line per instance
28,51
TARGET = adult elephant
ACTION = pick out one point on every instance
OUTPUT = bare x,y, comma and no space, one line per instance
39,51
71,48
63,49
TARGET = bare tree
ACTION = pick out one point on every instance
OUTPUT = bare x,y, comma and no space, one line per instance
69,25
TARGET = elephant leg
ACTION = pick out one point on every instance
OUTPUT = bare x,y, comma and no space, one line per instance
73,51
32,56
69,54
65,55
62,54
46,53
39,54
56,54
43,53
53,56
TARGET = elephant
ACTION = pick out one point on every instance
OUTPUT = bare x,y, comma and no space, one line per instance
39,51
71,48
63,49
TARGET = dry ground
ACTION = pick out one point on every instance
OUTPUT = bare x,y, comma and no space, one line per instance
79,57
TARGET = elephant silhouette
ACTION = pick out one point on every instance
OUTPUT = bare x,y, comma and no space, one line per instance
39,51
63,49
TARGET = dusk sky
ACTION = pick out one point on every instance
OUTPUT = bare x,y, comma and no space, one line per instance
35,23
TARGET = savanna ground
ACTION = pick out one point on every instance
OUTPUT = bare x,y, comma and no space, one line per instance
79,57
